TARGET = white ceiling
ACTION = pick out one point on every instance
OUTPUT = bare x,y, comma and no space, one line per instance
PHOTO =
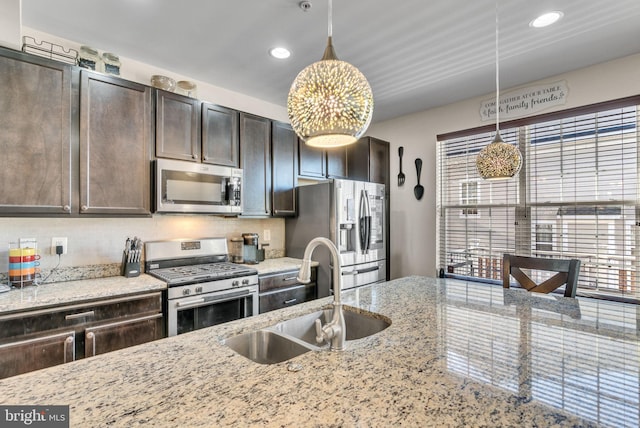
416,54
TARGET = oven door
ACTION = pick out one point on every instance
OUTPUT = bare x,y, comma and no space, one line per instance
206,310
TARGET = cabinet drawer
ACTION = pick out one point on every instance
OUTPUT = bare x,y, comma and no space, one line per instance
282,279
22,356
122,334
287,297
26,323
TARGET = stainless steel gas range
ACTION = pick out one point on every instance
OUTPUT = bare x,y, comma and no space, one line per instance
204,288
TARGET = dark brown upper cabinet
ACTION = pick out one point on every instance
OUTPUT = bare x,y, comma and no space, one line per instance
116,136
284,158
74,142
255,161
312,161
368,160
177,126
188,129
337,163
36,105
317,163
220,145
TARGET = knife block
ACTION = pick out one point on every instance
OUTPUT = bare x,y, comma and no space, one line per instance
129,269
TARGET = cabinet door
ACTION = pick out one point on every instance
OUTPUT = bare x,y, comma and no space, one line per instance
177,121
115,141
337,162
122,334
284,155
255,161
368,160
35,135
312,161
36,353
220,135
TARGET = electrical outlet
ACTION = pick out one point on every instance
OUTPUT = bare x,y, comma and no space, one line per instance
58,241
266,235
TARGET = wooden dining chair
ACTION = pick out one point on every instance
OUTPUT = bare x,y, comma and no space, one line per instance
567,271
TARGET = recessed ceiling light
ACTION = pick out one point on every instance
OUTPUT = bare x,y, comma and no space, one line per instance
280,53
546,19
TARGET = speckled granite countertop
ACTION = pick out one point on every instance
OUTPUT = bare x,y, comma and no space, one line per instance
456,354
68,292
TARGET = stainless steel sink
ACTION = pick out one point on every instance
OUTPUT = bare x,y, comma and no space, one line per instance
358,325
265,347
296,336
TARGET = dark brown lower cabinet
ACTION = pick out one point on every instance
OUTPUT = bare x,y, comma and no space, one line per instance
36,353
122,334
282,289
279,299
32,340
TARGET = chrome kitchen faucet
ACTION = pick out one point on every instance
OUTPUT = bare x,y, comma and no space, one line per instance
335,331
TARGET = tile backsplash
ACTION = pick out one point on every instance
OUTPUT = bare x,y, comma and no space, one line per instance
95,244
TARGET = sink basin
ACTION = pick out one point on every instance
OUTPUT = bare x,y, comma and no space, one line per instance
265,347
358,325
294,337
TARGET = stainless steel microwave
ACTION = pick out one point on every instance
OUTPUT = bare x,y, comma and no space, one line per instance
189,187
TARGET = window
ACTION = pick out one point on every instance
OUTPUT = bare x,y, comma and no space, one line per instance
469,196
577,196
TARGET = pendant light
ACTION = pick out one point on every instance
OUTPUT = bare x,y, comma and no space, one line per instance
330,103
498,160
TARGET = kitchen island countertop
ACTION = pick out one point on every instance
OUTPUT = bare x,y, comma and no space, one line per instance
456,354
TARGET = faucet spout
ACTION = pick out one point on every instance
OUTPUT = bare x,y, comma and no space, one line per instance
334,331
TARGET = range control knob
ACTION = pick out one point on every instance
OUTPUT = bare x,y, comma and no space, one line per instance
245,282
186,292
235,283
198,289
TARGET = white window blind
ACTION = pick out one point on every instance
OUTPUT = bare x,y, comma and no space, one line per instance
576,196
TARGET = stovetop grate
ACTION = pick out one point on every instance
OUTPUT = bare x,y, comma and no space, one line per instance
190,274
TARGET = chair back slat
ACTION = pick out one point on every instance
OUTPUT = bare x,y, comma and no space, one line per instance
567,273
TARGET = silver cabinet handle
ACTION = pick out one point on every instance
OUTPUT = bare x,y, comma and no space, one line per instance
92,337
290,278
80,315
66,208
69,349
84,208
286,302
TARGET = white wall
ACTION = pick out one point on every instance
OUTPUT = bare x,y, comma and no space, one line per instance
413,223
10,23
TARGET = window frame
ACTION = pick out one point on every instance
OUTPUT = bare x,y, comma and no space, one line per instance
525,224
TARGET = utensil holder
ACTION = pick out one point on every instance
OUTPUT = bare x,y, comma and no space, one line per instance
129,269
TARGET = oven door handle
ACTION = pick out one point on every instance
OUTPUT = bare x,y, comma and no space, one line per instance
190,303
202,301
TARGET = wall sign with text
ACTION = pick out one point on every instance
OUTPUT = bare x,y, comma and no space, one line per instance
526,101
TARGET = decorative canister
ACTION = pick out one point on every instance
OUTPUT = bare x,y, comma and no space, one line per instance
89,58
111,63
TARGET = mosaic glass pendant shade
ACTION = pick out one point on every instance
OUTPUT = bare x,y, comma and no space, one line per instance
498,160
330,103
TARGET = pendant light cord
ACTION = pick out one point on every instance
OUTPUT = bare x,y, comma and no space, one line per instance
497,77
330,29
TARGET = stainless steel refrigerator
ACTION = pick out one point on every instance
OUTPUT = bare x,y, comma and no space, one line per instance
350,213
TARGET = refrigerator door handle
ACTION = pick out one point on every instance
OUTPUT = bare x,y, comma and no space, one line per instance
360,271
365,222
